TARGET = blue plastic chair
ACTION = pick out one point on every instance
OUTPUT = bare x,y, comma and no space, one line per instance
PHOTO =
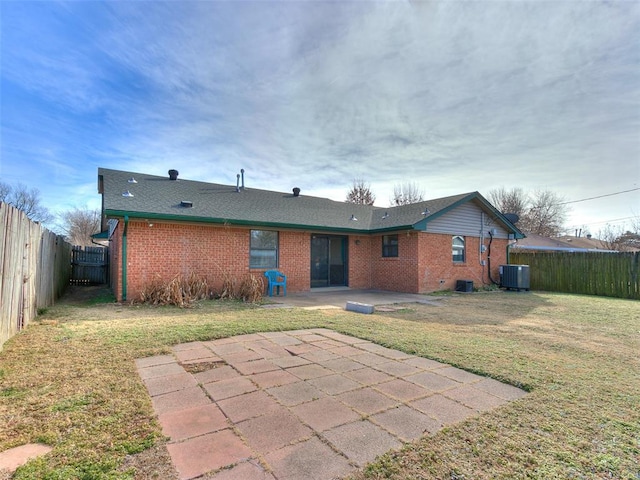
276,279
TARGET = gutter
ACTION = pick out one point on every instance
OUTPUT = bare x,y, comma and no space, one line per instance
249,223
124,258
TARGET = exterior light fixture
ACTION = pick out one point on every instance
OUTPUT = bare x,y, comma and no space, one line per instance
127,194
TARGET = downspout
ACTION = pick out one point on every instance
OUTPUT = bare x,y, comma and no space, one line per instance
124,258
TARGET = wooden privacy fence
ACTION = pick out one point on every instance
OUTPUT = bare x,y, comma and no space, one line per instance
592,273
89,265
34,269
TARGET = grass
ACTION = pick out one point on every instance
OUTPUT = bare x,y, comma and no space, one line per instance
69,381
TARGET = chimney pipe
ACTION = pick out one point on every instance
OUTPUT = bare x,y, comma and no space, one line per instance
242,172
296,192
173,174
237,182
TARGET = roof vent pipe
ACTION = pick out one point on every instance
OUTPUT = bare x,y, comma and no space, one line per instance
237,182
242,172
173,174
296,192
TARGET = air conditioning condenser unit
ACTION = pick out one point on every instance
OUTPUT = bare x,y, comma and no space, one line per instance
515,277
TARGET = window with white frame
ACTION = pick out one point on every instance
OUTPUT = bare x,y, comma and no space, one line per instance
457,246
263,249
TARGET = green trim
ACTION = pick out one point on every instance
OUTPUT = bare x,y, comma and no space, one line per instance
101,236
124,258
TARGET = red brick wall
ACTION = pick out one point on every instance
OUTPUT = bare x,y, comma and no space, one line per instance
167,250
295,259
395,273
359,261
438,271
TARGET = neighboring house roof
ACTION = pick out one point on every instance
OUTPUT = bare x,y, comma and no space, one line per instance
156,197
566,243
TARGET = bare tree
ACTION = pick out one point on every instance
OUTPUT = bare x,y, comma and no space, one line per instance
27,200
542,212
509,201
360,193
406,193
545,215
79,224
610,237
621,239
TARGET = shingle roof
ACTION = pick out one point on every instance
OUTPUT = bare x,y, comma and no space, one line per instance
156,197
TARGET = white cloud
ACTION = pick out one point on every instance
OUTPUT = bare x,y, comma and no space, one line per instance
455,96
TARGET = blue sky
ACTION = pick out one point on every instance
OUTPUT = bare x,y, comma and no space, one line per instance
455,96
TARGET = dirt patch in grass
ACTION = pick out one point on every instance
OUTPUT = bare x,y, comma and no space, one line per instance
153,463
202,366
69,380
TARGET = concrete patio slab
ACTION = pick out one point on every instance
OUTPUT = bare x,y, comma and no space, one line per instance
406,423
170,383
249,470
192,422
443,409
304,404
325,413
309,460
362,441
197,456
179,400
273,430
229,388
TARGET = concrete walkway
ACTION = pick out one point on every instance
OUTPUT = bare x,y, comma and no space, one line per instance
305,404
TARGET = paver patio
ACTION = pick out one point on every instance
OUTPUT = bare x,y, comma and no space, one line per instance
304,404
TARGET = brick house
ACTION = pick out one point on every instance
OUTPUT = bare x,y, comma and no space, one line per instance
166,226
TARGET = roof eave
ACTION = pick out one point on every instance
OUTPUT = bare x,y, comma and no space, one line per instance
229,221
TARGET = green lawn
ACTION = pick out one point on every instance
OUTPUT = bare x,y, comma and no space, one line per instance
69,381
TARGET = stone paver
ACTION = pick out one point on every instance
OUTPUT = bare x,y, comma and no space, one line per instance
309,460
406,423
169,383
179,400
303,404
191,422
443,409
250,470
15,457
362,441
229,388
273,430
325,413
197,456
